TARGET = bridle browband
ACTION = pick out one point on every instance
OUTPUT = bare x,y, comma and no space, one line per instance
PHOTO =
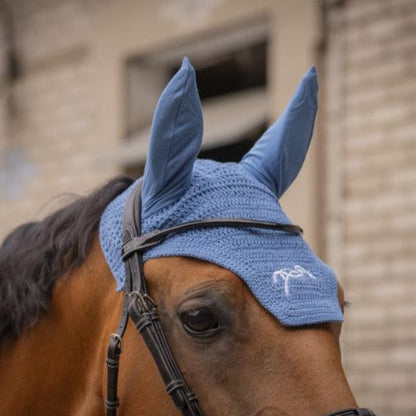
142,309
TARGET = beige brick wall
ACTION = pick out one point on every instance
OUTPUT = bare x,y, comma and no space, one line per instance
53,127
371,143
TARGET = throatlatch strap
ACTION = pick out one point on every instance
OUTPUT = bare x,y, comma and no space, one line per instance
112,361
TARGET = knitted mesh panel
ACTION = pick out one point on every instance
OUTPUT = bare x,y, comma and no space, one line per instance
305,292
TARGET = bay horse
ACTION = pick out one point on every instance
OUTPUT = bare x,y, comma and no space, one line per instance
241,356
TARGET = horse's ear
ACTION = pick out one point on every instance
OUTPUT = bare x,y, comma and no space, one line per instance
278,155
175,141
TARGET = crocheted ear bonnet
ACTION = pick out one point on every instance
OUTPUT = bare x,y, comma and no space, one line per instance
280,269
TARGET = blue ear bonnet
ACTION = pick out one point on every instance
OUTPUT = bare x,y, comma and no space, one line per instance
280,269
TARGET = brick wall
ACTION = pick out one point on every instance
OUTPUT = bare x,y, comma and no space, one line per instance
49,140
371,147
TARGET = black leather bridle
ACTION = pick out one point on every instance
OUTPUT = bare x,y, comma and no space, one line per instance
142,309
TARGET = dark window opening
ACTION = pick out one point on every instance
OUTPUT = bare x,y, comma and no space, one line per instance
235,74
233,152
237,71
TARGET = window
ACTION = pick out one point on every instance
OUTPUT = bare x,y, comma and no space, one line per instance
231,75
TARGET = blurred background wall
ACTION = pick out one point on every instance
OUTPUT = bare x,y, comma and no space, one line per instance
370,127
79,80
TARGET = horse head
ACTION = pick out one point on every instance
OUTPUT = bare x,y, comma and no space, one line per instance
252,316
232,302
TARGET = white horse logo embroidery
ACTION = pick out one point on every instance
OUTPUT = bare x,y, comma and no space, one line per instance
297,272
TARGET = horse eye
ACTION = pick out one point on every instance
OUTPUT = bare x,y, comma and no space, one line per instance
199,322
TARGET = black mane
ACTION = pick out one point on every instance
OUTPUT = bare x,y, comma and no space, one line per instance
36,254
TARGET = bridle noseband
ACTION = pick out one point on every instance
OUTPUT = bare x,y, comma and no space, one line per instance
142,309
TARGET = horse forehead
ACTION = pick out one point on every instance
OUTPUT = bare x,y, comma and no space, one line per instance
185,273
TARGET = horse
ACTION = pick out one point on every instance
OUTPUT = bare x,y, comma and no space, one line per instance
246,346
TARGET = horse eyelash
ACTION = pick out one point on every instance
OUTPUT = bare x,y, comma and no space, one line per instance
347,304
